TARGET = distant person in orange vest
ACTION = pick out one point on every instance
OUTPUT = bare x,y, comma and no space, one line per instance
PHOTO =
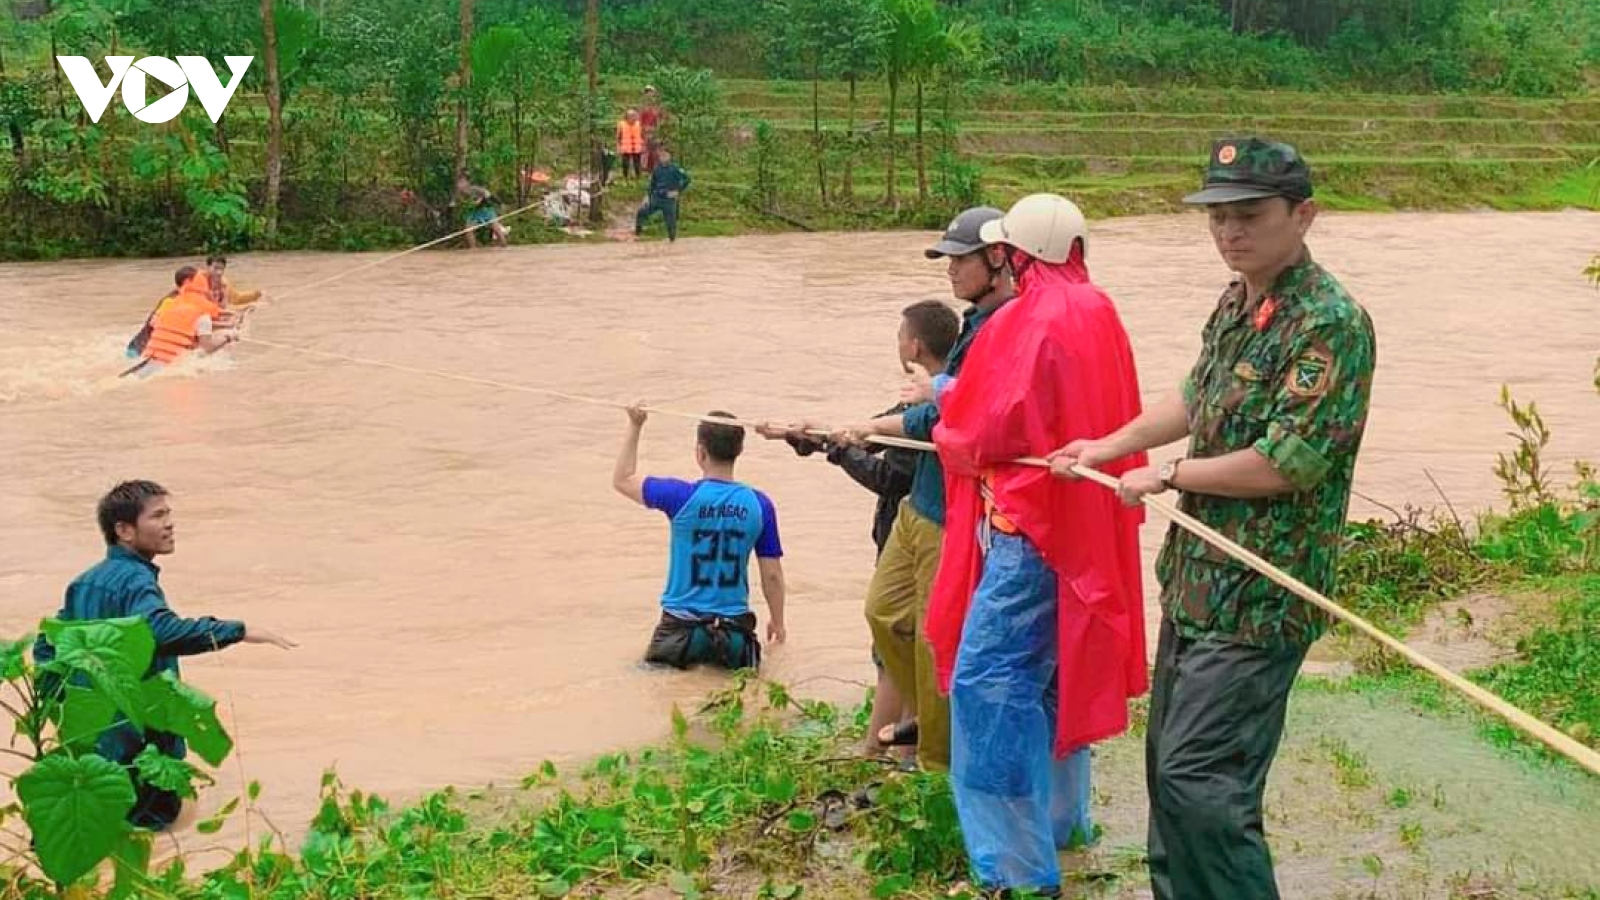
651,116
192,320
630,143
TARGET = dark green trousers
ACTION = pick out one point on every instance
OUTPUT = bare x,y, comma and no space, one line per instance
1216,716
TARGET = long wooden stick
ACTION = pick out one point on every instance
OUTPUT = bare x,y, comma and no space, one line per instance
1550,736
1554,739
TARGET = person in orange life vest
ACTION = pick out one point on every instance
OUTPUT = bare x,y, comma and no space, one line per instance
651,117
1036,619
224,292
188,321
630,143
135,347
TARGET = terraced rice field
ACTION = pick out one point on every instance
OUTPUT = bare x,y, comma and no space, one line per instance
1124,150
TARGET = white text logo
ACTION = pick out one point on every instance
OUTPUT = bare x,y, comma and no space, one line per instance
187,72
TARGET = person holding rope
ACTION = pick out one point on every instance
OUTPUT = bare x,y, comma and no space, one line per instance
897,599
1274,409
190,320
887,473
716,524
928,331
1036,619
226,295
481,212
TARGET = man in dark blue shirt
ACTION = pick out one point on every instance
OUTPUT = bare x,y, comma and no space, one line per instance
667,181
136,521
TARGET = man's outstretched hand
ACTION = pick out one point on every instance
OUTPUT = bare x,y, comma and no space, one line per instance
263,636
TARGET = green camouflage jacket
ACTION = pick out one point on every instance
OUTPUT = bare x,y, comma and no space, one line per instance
1289,377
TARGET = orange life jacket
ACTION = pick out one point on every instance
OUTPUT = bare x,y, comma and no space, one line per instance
174,329
630,137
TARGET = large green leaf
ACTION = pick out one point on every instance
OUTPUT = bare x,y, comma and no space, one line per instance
13,658
114,653
85,713
77,809
162,771
172,706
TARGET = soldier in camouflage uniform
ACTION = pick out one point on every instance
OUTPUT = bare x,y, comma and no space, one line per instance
1274,410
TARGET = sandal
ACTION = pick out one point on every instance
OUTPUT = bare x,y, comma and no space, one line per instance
904,735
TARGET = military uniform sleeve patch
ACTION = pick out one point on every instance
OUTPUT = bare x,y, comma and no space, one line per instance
1309,375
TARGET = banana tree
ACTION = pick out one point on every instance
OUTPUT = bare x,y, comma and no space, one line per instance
914,29
531,64
854,51
947,49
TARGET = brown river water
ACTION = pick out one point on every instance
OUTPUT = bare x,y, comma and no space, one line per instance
470,596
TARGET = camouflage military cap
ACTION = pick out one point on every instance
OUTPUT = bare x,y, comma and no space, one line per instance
1252,169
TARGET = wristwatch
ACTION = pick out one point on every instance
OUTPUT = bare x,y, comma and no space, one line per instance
1168,471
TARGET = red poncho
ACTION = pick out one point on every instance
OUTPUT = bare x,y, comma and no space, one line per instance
1052,366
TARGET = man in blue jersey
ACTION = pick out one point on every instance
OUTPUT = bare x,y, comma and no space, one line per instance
717,522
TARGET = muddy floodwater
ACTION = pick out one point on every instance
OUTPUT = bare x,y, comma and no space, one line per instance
470,596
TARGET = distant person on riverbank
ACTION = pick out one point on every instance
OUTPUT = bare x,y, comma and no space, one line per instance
716,524
1274,409
630,144
480,212
651,118
137,524
667,183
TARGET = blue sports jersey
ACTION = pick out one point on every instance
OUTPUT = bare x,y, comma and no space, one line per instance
716,525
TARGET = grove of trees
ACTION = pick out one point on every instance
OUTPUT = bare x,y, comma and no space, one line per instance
357,116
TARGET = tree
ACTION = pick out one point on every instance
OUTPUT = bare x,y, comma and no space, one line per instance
898,55
855,51
917,44
531,63
943,50
463,87
806,25
591,65
274,118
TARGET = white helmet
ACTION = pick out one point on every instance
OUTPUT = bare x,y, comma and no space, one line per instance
1040,225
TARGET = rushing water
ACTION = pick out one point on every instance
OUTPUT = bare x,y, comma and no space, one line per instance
470,595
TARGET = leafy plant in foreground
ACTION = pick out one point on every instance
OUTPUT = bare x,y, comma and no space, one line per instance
73,798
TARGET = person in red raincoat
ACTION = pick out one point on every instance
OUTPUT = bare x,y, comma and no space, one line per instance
1036,619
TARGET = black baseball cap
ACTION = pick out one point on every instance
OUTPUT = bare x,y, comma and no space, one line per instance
1251,168
961,236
